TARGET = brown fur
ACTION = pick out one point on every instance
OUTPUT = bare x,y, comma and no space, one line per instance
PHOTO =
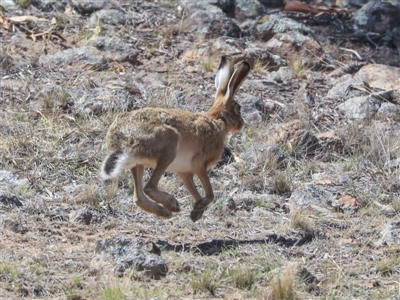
179,141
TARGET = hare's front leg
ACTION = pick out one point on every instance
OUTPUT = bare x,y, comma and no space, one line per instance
140,198
200,204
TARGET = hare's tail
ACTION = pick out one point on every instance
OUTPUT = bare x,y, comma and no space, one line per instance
113,164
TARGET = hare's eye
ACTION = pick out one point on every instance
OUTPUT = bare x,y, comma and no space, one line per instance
237,109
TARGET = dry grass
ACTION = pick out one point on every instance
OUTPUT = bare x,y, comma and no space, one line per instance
56,153
209,64
242,278
260,66
297,66
208,281
23,3
282,288
299,220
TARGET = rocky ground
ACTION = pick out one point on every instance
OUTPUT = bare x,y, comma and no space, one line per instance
307,195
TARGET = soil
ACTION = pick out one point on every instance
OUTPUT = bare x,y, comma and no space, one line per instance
251,243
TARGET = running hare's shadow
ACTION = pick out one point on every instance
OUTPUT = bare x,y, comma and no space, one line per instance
217,246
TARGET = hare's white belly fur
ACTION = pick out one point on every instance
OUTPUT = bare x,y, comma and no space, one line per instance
183,162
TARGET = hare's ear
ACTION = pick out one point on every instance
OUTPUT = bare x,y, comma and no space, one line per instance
238,77
224,73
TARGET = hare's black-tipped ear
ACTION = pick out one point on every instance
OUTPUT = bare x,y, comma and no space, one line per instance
238,77
224,73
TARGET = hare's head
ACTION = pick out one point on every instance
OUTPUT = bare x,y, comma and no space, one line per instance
227,83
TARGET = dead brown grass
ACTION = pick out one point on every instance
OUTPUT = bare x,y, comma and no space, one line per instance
56,154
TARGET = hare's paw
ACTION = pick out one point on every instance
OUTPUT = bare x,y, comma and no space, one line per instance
196,215
152,207
172,204
163,212
163,198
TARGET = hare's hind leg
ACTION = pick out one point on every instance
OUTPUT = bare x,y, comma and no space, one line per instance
151,188
140,198
167,147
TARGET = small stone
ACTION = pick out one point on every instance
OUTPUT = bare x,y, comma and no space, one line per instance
380,76
248,9
9,199
85,216
390,234
129,254
109,16
311,198
377,16
389,112
87,6
14,226
278,24
99,100
49,5
345,88
9,5
359,107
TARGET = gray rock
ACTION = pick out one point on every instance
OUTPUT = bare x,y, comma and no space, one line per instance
12,225
380,76
307,144
312,198
96,56
279,24
287,43
393,163
98,100
360,107
9,5
227,44
390,234
272,3
282,75
352,3
6,177
88,55
332,177
72,155
255,110
345,90
299,140
118,50
251,115
109,16
261,154
392,96
9,199
133,255
86,216
87,6
227,6
389,112
248,9
272,61
208,24
9,179
6,62
377,16
104,43
49,5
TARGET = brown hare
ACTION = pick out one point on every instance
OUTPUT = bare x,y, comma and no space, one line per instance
178,141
